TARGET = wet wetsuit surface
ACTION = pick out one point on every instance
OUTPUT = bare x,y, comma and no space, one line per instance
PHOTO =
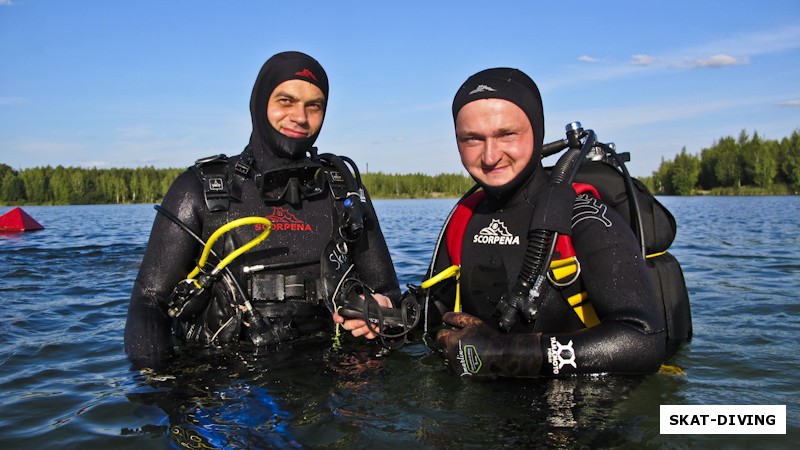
631,337
300,239
295,247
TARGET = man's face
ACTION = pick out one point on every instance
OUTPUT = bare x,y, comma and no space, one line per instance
495,140
296,108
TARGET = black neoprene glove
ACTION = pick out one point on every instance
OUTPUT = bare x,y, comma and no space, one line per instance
473,348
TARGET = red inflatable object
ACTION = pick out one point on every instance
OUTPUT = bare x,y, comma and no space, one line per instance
18,220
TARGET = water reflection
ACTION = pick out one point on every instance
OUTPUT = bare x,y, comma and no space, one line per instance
65,378
317,395
223,399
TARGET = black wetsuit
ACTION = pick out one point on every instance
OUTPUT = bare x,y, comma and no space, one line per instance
287,291
295,244
631,337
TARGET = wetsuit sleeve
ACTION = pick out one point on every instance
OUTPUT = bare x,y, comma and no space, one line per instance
169,257
631,336
372,258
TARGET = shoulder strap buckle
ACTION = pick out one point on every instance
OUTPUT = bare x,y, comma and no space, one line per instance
244,164
213,173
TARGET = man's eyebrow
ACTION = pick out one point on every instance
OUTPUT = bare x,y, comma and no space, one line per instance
284,94
467,134
292,97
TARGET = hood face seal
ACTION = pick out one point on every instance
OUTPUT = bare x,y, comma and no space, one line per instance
518,88
265,139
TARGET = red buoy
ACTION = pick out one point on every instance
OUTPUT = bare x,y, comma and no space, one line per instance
18,220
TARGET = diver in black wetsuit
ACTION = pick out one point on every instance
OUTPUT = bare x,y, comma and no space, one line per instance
499,128
323,228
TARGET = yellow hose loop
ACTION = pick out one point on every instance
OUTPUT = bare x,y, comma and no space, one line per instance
653,255
224,229
450,272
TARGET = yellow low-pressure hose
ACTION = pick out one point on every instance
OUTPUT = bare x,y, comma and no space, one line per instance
452,271
224,229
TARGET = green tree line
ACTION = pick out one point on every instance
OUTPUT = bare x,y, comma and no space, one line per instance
74,185
415,185
746,165
732,166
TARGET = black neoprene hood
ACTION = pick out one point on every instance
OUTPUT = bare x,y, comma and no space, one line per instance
279,68
518,88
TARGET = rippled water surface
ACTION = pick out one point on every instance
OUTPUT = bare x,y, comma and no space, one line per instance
65,381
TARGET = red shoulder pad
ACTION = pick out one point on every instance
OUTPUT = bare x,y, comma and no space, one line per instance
581,188
458,225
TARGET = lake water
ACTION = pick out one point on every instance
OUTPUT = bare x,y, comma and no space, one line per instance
65,382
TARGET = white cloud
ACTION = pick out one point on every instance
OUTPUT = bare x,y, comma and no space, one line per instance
590,59
746,46
717,61
752,44
618,121
790,103
5,3
643,60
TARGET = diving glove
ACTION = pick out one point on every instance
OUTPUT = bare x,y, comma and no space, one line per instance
474,348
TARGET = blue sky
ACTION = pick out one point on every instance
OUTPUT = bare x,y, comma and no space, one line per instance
134,83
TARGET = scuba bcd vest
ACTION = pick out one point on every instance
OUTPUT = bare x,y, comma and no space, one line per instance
606,179
282,301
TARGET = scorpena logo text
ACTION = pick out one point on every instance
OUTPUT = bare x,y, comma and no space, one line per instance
283,220
495,233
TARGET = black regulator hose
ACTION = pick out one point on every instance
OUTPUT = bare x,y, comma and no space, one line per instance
525,297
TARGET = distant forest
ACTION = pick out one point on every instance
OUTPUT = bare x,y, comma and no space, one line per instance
81,186
746,165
